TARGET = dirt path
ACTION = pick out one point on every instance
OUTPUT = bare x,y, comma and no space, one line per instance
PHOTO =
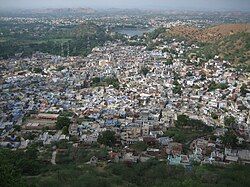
53,159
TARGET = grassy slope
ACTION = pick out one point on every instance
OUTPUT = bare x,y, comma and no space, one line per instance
151,173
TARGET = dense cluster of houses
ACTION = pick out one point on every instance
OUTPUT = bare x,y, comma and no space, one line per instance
151,93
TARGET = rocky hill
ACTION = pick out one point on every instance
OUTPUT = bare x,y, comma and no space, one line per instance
210,34
230,41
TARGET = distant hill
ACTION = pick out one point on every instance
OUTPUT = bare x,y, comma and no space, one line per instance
210,34
59,11
230,41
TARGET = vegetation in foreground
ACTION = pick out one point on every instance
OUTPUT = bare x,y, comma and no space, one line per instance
18,168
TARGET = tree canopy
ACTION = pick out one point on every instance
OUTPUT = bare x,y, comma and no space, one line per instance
229,121
107,138
62,122
230,139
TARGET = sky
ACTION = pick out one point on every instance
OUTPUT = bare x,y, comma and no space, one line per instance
237,5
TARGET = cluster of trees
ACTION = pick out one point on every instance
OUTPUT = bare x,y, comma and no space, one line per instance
140,146
37,70
63,123
177,89
244,90
97,81
107,138
187,129
72,41
15,164
169,62
213,86
185,121
230,139
229,121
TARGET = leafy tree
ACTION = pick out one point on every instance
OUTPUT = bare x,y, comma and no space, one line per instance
74,40
229,121
230,139
144,71
37,70
140,146
112,81
17,128
9,173
101,154
65,130
182,120
168,62
107,138
177,89
214,116
63,144
96,80
223,86
21,162
212,86
243,90
62,122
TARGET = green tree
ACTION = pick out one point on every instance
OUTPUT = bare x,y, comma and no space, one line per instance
37,70
214,115
243,90
177,89
139,146
229,121
107,138
230,139
112,81
65,130
62,122
182,120
96,80
9,173
144,71
17,128
168,62
223,86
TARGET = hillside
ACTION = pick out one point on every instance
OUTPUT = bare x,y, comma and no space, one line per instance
210,34
231,42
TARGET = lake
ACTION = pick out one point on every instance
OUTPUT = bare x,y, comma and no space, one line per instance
134,31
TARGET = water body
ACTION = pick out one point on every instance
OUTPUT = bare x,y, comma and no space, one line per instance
134,31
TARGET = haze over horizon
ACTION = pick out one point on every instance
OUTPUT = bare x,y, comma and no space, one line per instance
223,5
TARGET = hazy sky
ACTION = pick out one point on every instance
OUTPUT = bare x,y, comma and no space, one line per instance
143,4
